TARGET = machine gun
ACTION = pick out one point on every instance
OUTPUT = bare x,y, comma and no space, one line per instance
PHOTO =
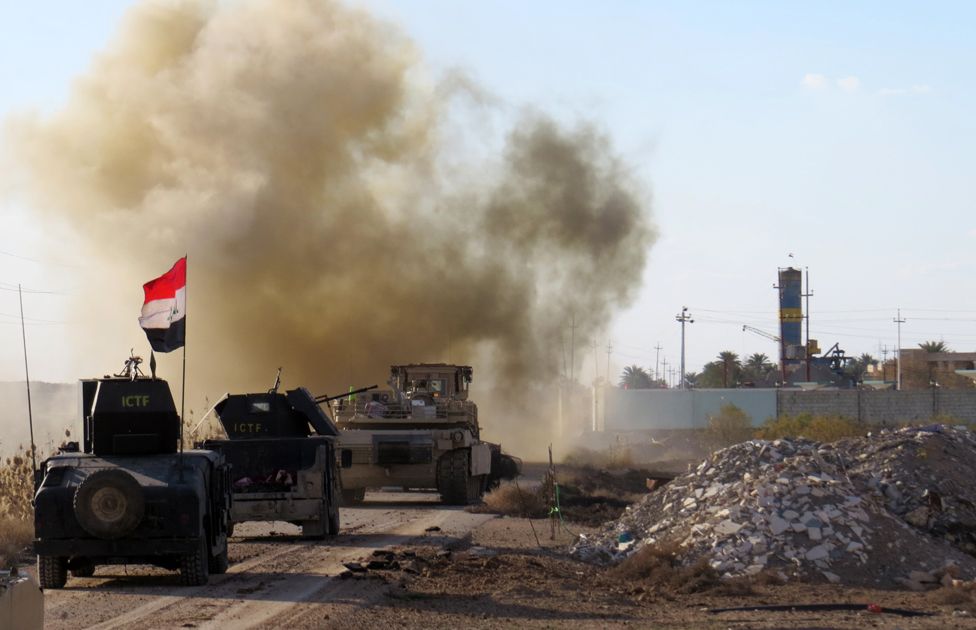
324,398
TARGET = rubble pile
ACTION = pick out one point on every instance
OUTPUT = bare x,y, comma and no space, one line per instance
924,476
888,509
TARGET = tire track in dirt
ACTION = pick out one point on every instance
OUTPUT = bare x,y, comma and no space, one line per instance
256,589
240,579
318,583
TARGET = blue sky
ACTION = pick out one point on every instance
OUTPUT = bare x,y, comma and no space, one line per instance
840,132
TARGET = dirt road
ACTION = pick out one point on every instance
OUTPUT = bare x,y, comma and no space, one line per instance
501,573
275,579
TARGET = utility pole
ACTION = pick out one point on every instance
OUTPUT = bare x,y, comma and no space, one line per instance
657,355
684,318
596,363
898,320
30,414
664,373
807,296
609,352
884,362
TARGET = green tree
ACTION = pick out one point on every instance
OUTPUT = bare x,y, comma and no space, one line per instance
635,377
726,371
856,368
757,367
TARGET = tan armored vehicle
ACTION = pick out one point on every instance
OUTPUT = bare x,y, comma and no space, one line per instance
421,433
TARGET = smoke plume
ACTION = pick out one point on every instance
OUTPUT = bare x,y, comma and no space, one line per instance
301,156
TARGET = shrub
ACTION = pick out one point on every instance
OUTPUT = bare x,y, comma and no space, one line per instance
658,567
730,425
616,456
512,500
15,535
817,428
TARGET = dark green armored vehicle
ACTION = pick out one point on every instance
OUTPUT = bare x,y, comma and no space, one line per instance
128,496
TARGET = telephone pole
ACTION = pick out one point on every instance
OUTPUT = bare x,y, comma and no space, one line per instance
657,355
609,352
664,373
899,321
685,318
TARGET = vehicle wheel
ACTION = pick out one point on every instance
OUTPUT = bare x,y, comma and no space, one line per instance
454,480
219,564
109,503
52,571
194,565
352,497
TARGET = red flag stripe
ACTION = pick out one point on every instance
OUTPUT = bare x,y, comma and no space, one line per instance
166,285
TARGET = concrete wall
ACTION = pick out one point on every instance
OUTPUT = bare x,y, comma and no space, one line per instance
638,409
879,407
630,410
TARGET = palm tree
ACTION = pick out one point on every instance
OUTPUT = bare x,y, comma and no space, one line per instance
730,365
635,377
934,346
726,370
757,367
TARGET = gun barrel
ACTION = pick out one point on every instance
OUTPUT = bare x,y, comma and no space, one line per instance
326,398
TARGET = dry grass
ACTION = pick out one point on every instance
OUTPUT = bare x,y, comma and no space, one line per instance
616,456
657,568
816,428
17,487
197,430
16,511
512,500
15,535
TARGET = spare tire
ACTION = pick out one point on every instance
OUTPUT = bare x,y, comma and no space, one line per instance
109,503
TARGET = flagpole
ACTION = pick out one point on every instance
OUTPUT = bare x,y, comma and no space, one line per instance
30,415
183,386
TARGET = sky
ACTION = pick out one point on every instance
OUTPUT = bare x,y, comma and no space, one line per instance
833,136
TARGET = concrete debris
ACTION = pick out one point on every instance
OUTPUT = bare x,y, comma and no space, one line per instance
896,507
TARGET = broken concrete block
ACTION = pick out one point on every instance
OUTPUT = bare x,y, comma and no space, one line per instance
777,525
817,553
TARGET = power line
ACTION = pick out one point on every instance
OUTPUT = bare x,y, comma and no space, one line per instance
6,286
36,261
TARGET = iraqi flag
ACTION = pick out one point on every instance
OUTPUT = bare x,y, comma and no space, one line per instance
164,311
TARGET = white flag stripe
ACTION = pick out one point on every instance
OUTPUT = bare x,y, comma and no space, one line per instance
162,313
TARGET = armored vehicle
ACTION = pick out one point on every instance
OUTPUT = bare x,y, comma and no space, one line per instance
423,432
128,496
282,452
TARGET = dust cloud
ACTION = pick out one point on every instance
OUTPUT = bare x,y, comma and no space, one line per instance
317,178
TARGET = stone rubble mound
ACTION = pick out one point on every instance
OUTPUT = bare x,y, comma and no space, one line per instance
893,508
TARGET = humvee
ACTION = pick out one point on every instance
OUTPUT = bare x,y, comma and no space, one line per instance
128,496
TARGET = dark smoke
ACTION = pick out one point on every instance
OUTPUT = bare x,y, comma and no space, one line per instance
296,152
